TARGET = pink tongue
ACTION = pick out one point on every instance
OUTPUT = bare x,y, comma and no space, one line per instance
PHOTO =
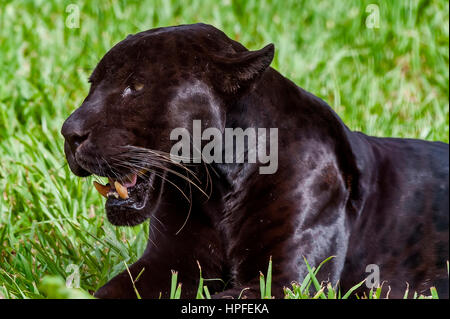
132,182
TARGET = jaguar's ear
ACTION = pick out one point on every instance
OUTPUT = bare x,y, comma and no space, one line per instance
237,71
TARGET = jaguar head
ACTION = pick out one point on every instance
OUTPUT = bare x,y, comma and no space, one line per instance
144,87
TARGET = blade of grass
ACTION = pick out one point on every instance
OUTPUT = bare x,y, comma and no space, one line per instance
173,285
350,291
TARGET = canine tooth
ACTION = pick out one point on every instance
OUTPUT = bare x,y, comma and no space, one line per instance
102,189
123,192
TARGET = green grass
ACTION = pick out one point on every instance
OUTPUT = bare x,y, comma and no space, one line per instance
391,81
310,288
55,287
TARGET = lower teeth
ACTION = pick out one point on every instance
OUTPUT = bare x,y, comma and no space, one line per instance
115,194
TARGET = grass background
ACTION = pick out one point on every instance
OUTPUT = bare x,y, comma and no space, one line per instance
390,81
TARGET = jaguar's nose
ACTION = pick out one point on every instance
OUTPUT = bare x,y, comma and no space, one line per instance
74,134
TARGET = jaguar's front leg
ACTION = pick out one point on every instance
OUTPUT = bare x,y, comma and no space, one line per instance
183,252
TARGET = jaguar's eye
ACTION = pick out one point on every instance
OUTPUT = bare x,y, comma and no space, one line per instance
137,86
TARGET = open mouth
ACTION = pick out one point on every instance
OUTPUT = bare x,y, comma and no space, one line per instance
127,198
